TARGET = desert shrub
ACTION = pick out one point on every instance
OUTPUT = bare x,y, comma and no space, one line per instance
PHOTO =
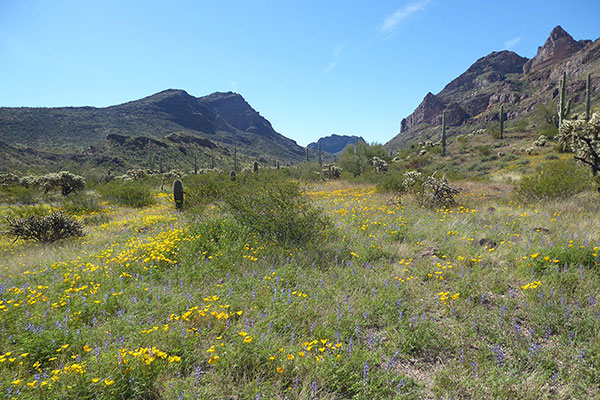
19,194
129,194
278,212
81,203
484,150
392,182
554,179
45,229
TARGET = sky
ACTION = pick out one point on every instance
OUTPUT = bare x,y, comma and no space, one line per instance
312,68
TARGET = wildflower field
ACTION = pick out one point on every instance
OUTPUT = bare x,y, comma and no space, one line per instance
360,295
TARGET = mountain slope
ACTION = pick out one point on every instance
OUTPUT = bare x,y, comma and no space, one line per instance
224,118
334,143
504,78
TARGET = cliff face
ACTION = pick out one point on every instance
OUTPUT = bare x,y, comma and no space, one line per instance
504,78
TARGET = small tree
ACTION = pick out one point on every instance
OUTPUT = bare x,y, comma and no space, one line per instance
583,138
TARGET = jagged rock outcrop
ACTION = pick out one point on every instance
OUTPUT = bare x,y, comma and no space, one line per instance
429,108
558,46
486,70
506,79
335,143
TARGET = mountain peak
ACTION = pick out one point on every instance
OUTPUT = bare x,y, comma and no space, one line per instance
557,47
558,32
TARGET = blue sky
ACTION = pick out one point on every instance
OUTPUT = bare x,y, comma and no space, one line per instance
312,68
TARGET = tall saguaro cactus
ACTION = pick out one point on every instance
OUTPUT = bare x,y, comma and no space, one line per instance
235,159
306,153
320,156
563,110
195,164
502,121
588,95
444,133
178,194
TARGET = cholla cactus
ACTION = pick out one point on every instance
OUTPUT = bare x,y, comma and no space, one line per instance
331,171
541,141
430,192
64,180
379,165
9,179
583,138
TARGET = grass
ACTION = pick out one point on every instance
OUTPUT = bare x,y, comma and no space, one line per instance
155,303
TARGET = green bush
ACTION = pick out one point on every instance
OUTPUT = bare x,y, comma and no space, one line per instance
277,211
391,182
554,179
129,194
81,203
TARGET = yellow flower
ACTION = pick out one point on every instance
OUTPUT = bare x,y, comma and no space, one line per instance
290,356
87,348
16,382
95,380
242,333
213,360
248,339
301,353
279,370
108,382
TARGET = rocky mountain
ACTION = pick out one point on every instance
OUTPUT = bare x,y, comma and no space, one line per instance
335,143
224,119
505,78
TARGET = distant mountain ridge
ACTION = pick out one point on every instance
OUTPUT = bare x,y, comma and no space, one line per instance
334,143
504,78
223,118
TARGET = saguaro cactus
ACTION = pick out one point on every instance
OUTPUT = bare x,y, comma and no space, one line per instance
502,121
195,164
178,194
563,110
232,175
444,133
235,159
255,167
588,95
307,154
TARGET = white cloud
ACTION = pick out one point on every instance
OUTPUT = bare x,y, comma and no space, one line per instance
330,67
512,43
390,23
338,50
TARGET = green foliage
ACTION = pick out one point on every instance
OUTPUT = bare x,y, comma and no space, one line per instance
45,229
81,203
357,160
484,150
392,182
554,179
278,212
130,194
